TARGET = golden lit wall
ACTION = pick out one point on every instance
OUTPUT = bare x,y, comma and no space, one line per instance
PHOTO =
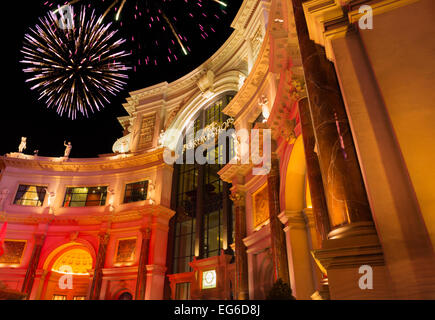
401,49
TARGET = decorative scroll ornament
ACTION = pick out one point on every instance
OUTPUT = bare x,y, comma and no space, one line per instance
151,192
238,198
122,145
263,102
297,90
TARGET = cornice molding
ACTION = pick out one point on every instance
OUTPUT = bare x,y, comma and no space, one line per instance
116,162
328,20
158,211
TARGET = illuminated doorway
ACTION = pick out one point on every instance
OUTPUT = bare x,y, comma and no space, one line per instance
69,274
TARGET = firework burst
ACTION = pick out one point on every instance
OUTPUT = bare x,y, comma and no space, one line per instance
160,30
75,69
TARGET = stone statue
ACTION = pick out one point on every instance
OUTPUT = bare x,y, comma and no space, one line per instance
151,191
264,102
22,145
68,149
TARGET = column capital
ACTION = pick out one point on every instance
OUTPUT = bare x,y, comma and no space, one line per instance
156,269
146,232
238,197
292,219
103,237
39,238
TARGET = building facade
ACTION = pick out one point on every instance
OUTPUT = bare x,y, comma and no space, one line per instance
347,193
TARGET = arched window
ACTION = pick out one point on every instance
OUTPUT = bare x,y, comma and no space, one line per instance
125,296
203,210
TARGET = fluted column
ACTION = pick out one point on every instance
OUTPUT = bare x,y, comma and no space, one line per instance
143,261
33,265
277,236
241,287
344,189
99,265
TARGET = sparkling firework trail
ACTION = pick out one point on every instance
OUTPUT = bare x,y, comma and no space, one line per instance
155,24
76,69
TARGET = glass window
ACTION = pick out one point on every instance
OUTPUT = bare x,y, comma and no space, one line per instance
212,195
182,291
79,298
28,195
59,297
85,196
136,191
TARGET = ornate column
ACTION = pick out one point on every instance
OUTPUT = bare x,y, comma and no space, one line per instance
227,219
33,265
344,189
99,265
143,261
241,285
277,236
320,210
353,241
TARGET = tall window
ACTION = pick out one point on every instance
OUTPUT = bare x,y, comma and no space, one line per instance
28,195
136,191
186,210
203,181
85,196
59,297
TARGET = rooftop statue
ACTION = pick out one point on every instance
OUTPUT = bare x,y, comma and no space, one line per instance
22,145
67,149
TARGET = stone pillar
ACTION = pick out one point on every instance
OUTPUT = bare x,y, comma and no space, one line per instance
143,261
320,210
227,219
241,285
99,265
277,236
33,265
298,246
344,189
409,254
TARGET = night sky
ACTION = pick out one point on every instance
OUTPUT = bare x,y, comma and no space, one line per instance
23,115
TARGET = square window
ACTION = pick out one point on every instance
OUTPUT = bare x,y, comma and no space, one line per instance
136,191
30,195
85,196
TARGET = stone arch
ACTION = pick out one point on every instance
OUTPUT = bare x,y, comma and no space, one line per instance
295,180
298,234
122,291
80,279
224,84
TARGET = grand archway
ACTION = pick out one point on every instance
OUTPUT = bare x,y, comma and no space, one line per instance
297,218
69,269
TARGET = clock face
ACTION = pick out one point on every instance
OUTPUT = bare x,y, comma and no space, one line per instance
209,279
